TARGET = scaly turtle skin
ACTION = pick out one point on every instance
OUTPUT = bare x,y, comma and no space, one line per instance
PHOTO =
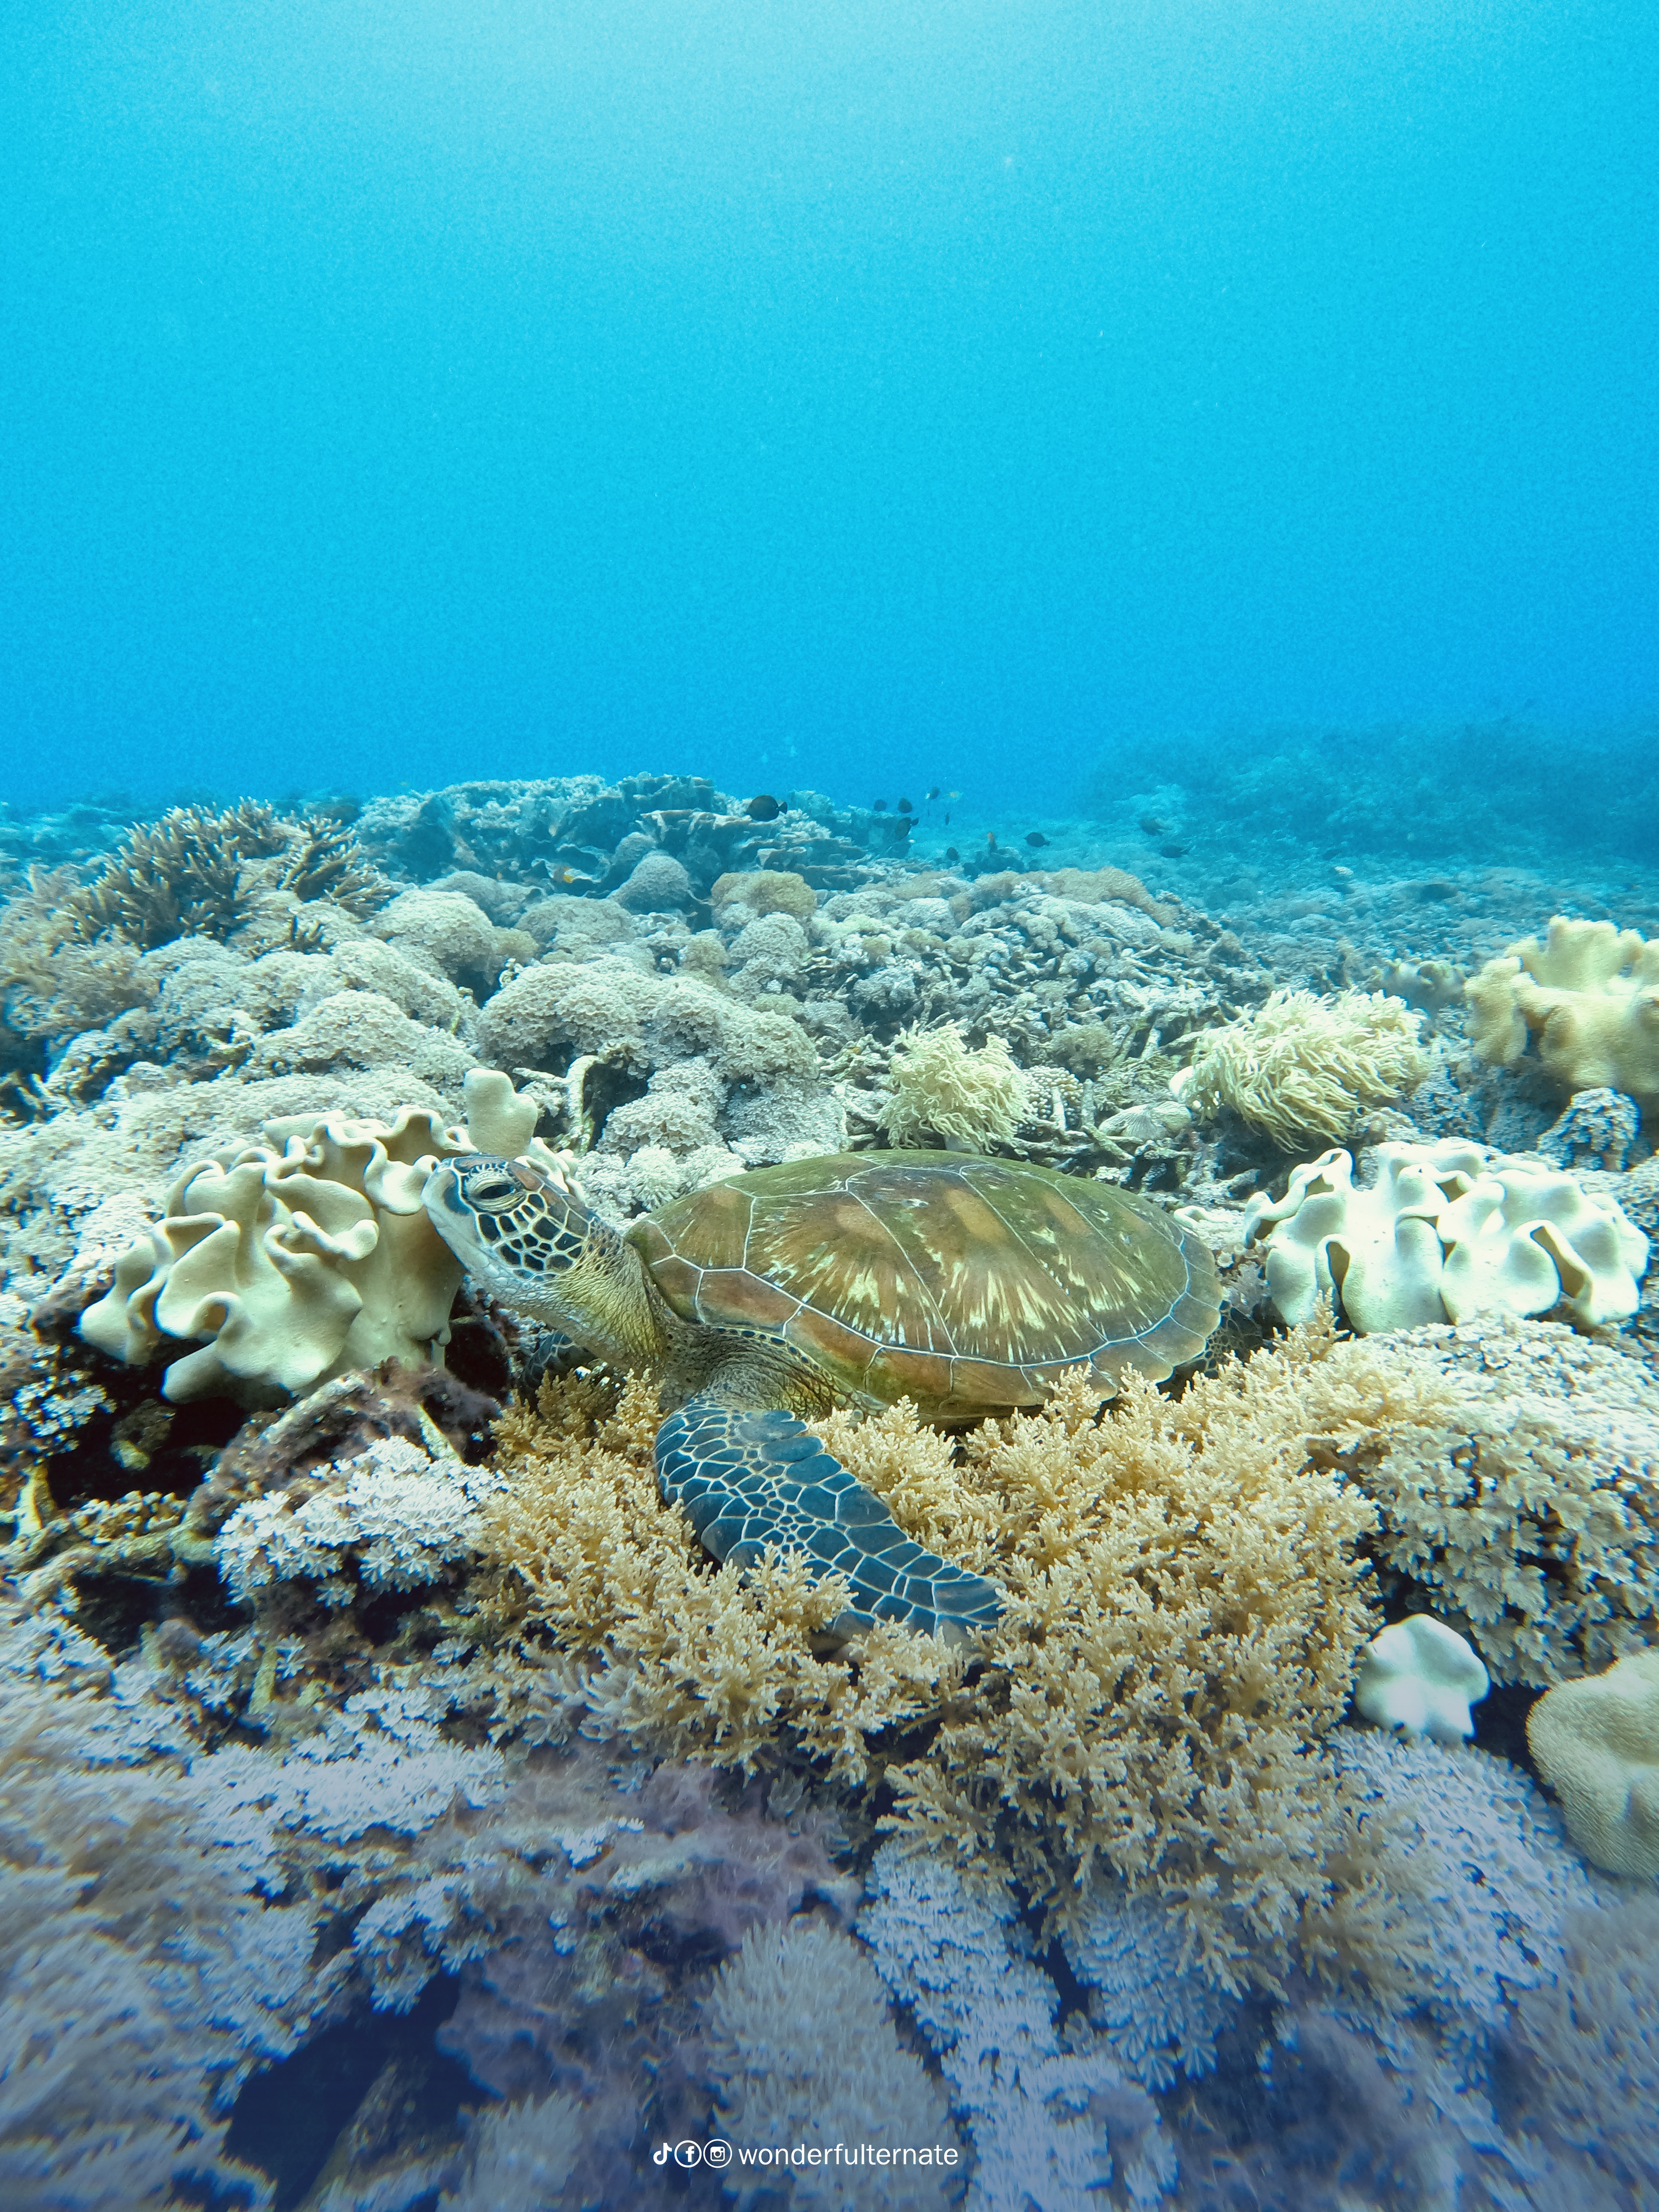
967,1284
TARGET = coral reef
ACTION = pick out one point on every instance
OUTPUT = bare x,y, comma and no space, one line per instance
1303,1065
971,1100
1597,1744
717,1663
1445,1229
802,2051
1419,1678
1515,1470
1054,2119
295,1260
1588,995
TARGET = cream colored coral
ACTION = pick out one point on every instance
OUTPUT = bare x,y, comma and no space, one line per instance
1445,1230
1301,1064
1419,1678
802,2051
303,1256
1515,1467
715,1661
1597,1744
973,1099
1589,994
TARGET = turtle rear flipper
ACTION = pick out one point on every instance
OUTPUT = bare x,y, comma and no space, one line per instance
754,1479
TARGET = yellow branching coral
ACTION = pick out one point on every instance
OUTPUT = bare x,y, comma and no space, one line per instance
1302,1066
941,1089
1185,1604
703,1660
1589,994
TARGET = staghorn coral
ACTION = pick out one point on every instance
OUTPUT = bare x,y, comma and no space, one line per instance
1597,1744
1445,1229
182,876
1588,994
801,2048
971,1099
1303,1065
324,860
1515,1468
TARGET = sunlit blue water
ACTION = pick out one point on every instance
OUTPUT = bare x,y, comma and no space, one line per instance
856,395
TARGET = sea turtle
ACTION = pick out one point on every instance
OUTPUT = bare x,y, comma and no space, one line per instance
966,1284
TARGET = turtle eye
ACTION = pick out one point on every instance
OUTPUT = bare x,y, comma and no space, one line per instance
492,1190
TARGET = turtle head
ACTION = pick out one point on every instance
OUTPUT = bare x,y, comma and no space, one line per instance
521,1232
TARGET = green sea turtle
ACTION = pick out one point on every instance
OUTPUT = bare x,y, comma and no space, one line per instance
967,1284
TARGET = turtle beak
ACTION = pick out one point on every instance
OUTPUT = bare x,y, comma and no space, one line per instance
443,1198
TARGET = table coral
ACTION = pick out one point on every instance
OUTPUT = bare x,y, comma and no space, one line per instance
1586,994
1301,1064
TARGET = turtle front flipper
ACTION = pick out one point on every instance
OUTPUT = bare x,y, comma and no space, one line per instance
754,1478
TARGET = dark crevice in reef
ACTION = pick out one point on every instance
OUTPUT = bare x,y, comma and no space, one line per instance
290,2119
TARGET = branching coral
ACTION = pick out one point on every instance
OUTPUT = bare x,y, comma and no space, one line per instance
1185,1605
324,860
716,1661
802,2051
972,1099
1055,2122
1589,994
1301,1064
1515,1471
182,876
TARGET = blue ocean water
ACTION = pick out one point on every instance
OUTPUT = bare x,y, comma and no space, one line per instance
756,549
845,395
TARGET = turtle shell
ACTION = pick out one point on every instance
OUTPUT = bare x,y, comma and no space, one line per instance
964,1283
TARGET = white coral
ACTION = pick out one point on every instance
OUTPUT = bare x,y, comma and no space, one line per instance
941,1943
395,1514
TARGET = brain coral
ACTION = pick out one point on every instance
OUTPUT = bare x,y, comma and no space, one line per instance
1300,1064
1589,994
1447,1229
302,1256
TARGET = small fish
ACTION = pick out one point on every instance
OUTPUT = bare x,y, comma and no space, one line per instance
991,838
1152,826
879,806
933,794
762,808
1034,837
951,853
904,806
